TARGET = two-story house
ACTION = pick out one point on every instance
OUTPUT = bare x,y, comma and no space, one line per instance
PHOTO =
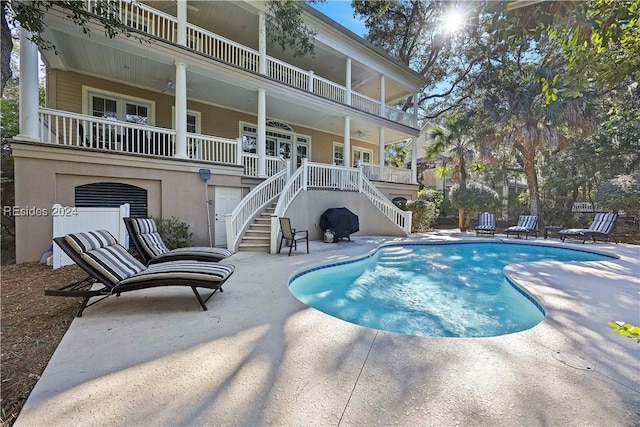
205,112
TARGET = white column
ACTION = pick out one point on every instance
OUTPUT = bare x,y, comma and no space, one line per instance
415,109
381,152
383,96
181,110
182,22
414,160
28,103
347,142
262,133
262,43
348,81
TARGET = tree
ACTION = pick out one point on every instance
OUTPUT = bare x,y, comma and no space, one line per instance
474,198
621,193
396,155
286,26
453,145
413,32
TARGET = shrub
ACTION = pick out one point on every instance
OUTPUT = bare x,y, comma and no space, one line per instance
424,214
621,193
174,232
475,198
432,195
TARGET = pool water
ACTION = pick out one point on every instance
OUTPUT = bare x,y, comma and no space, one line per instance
442,290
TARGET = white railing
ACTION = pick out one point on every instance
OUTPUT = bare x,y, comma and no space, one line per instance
364,103
251,205
319,176
273,164
288,74
388,173
583,207
328,89
212,149
400,116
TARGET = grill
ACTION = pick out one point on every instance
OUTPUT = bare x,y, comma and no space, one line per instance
341,221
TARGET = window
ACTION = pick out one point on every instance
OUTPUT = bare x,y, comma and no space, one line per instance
114,106
338,154
361,155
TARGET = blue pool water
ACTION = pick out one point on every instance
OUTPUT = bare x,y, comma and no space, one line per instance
444,290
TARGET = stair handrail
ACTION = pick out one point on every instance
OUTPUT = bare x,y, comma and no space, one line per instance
295,184
251,205
399,217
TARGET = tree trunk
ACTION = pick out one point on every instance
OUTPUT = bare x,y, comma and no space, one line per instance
5,48
461,225
530,172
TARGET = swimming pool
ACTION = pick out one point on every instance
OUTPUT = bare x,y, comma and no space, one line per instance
432,289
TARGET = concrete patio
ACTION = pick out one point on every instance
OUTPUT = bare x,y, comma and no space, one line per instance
260,357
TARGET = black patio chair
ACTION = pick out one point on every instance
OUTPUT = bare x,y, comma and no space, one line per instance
292,235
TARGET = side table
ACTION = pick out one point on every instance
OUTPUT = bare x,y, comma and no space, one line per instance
555,228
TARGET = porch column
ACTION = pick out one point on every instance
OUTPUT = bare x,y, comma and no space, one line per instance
181,110
381,152
262,43
28,103
348,82
347,142
415,109
181,6
262,133
383,97
414,161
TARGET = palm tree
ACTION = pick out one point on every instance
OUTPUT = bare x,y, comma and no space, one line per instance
453,146
526,121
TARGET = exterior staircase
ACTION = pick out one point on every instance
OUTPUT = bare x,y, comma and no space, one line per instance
258,235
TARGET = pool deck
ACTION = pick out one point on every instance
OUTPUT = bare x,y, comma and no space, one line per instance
260,357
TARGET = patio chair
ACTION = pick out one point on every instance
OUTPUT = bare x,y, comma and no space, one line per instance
144,235
602,226
527,224
292,235
486,224
113,270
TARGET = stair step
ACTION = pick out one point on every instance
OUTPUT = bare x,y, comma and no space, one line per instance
254,247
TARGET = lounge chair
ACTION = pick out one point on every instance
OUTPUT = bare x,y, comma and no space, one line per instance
602,226
292,235
113,270
144,235
527,224
486,224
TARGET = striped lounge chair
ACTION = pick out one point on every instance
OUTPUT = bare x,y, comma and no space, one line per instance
144,235
113,270
602,226
527,224
486,224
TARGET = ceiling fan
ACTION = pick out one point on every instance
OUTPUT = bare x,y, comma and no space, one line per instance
174,4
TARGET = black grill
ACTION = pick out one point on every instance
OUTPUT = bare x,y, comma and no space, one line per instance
341,221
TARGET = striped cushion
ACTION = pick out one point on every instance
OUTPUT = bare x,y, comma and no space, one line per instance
113,262
528,221
203,253
83,242
486,221
148,236
183,270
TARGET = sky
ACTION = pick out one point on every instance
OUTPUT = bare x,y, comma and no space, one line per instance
341,12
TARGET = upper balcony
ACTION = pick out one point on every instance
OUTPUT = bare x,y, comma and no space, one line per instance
374,87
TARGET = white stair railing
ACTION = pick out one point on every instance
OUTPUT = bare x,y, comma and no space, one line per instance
319,176
251,205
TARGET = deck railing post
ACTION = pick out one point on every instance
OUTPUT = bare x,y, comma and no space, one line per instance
305,174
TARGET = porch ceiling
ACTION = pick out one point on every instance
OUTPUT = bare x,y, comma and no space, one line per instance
144,66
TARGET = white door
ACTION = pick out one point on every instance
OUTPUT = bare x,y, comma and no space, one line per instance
226,199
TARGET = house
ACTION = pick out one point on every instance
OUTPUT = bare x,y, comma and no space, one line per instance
202,118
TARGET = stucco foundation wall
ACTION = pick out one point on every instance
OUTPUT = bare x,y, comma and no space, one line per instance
307,207
44,176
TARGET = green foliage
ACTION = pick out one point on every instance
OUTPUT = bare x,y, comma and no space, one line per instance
431,195
626,330
423,216
286,28
174,232
620,193
474,198
396,155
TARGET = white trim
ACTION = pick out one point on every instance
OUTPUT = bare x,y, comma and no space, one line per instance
353,151
120,99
